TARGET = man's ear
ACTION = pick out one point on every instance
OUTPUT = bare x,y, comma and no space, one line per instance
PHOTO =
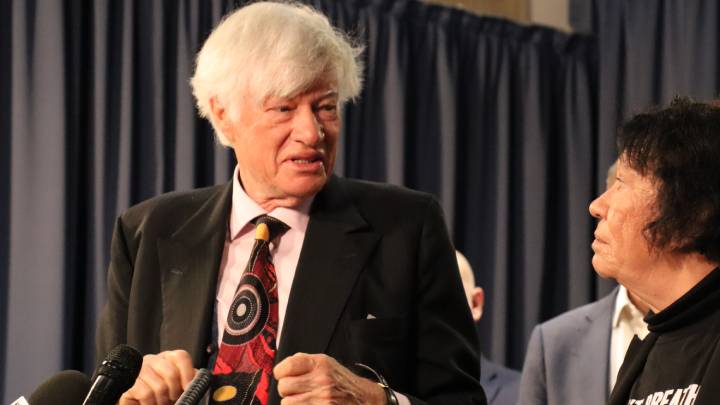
477,298
220,117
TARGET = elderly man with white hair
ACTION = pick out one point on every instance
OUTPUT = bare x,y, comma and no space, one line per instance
288,282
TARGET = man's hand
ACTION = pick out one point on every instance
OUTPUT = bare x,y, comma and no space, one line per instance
319,379
163,378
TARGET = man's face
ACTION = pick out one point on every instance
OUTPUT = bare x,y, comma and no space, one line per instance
621,250
286,147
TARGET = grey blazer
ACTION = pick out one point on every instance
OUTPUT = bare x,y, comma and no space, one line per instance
567,357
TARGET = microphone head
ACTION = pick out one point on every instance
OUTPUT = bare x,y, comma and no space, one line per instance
115,375
66,387
121,364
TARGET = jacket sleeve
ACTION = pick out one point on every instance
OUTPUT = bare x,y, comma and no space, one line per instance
112,325
447,347
533,385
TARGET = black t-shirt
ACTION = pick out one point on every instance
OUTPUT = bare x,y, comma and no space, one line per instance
678,363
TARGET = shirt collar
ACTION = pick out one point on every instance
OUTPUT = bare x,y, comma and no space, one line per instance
244,210
624,308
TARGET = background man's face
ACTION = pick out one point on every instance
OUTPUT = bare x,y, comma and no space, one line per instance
286,146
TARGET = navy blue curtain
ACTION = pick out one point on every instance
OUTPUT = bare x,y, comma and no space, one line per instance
5,84
649,52
495,118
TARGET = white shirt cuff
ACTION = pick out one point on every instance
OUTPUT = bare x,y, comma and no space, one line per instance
402,399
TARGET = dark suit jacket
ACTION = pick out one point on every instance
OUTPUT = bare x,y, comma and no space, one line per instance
500,383
567,360
370,249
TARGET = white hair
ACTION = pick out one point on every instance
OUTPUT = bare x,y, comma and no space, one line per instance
270,49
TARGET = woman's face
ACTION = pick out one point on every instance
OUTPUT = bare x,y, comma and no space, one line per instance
621,250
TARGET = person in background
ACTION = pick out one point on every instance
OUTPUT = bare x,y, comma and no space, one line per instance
288,282
500,383
658,234
575,357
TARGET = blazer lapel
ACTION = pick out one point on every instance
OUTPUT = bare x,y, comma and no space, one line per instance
337,244
189,262
596,349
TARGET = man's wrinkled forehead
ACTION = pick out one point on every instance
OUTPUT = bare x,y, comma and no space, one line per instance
324,90
317,95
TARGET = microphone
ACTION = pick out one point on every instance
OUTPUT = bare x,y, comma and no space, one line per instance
196,389
66,387
115,375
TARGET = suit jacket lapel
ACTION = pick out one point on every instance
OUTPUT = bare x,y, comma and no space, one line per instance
337,244
189,262
596,350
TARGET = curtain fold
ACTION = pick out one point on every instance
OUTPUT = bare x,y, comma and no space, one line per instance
37,251
496,119
5,128
649,52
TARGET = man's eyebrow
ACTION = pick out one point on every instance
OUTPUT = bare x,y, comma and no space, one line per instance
329,94
275,99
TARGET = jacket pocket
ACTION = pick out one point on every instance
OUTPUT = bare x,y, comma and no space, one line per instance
382,344
378,330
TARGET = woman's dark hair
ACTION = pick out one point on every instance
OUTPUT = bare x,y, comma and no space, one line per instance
679,148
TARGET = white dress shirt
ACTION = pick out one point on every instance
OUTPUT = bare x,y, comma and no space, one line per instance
627,321
285,251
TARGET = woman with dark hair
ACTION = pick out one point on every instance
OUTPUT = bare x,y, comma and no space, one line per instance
658,234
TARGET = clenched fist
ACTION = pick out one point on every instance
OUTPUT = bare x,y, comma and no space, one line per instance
320,379
163,378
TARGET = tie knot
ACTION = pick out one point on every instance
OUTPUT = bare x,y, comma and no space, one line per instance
267,228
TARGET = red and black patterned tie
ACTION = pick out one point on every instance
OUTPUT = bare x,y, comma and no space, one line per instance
243,367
